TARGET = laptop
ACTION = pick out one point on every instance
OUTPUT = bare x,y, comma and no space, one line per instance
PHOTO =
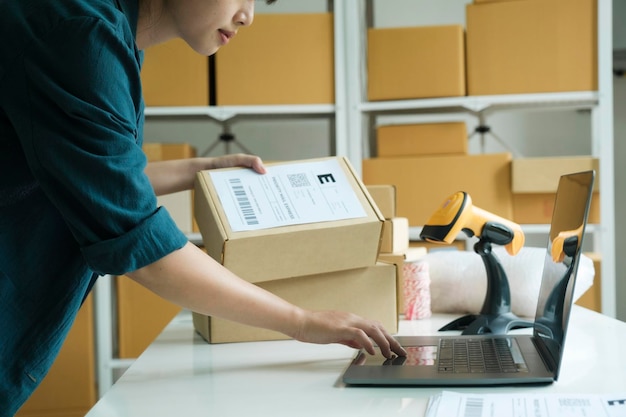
496,359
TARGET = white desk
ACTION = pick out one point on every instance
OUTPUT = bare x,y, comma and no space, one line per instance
181,375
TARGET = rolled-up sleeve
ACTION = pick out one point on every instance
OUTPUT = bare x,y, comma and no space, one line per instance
149,241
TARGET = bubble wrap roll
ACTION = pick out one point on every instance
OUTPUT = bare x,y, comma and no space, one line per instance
416,290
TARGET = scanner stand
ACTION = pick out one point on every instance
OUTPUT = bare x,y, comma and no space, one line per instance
495,316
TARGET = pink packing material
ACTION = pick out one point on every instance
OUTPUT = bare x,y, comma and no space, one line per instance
416,290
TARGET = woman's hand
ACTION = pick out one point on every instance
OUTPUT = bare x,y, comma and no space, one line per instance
177,175
237,160
347,329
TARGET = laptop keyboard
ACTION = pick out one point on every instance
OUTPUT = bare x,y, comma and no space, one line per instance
466,355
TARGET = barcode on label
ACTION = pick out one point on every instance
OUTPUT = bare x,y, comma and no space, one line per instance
243,201
298,180
473,407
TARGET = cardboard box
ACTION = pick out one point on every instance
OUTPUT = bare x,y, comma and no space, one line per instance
369,292
423,183
292,250
531,46
280,59
537,208
458,244
69,388
491,1
395,235
384,196
180,207
180,204
422,139
416,62
173,74
398,259
592,298
541,175
142,315
168,151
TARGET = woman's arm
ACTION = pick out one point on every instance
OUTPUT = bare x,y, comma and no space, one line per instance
177,175
192,279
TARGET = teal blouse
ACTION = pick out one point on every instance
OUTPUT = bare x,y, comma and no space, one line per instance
74,200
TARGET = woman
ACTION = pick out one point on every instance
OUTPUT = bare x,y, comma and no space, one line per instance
78,200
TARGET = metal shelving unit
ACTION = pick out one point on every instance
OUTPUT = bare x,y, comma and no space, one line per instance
225,113
478,104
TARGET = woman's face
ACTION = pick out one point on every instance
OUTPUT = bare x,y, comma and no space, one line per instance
207,25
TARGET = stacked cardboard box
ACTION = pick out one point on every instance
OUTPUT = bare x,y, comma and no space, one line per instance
426,163
180,204
449,138
508,47
592,298
424,174
175,75
534,182
531,46
69,388
394,247
296,69
330,264
416,62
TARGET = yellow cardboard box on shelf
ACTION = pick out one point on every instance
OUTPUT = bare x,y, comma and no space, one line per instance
534,182
421,139
69,388
369,292
537,208
541,175
531,46
293,62
422,183
180,204
416,62
141,316
592,298
173,74
300,218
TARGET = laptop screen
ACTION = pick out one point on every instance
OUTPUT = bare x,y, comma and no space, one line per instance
564,245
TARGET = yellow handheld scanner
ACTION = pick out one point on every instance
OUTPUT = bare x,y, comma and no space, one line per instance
457,213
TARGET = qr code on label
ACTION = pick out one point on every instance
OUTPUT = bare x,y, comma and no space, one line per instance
298,180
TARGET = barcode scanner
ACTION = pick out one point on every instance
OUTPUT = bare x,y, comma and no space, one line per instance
458,214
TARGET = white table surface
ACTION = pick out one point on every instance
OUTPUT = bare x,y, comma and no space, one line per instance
181,375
